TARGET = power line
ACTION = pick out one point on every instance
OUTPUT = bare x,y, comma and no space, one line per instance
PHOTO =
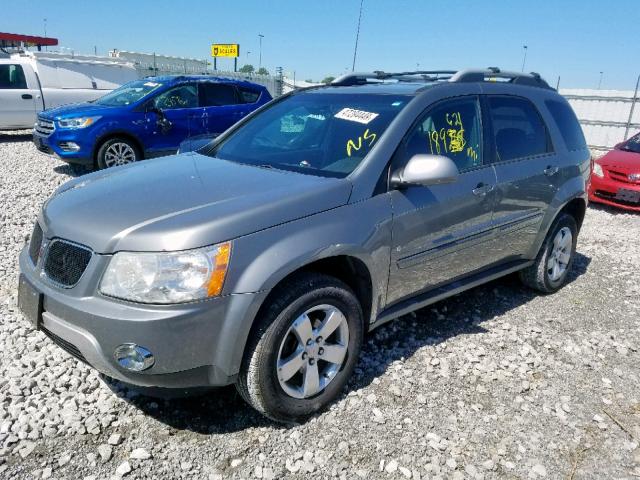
355,50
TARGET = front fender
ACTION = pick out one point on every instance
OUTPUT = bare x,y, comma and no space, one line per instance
260,261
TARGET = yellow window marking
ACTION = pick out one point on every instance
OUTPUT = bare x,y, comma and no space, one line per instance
368,136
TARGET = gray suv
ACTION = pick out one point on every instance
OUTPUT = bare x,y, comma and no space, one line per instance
264,258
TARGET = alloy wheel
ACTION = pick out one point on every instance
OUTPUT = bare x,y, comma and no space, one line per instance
119,153
560,254
313,351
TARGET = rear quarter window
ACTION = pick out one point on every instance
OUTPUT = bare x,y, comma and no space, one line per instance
568,124
248,95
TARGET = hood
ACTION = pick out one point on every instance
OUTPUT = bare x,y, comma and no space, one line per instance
76,110
628,162
181,202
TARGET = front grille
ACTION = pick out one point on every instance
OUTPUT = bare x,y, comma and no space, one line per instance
35,243
66,262
68,347
45,126
619,176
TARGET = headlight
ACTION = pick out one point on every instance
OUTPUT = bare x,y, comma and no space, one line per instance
597,170
173,277
80,122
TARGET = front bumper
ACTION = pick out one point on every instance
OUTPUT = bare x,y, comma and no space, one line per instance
52,145
615,193
197,344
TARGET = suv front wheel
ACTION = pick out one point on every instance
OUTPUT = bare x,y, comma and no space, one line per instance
304,349
553,263
117,151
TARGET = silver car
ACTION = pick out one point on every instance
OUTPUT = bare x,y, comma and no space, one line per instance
264,257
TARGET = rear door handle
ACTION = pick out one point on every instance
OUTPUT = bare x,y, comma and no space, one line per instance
551,170
482,189
27,96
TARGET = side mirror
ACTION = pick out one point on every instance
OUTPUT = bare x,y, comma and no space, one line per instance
423,169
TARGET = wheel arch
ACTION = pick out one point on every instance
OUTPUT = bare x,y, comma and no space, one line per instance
350,269
577,208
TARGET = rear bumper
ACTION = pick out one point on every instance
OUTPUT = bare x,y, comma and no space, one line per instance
198,344
614,193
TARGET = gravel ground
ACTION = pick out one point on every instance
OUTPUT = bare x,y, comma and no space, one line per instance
496,383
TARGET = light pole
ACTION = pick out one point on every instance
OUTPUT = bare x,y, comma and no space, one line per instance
524,59
45,33
355,50
260,60
600,81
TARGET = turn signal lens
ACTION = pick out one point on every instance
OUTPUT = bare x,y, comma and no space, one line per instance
221,264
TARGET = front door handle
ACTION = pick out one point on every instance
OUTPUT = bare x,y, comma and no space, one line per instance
27,96
482,189
551,170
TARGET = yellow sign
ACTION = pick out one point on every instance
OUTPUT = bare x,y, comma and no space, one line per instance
225,50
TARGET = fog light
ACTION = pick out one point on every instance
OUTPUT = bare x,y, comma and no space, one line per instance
133,357
69,146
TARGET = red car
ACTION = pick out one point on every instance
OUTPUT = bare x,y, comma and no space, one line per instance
615,177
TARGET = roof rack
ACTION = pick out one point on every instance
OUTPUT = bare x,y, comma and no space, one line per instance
379,76
491,74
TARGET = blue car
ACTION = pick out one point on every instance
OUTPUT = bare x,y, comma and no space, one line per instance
144,119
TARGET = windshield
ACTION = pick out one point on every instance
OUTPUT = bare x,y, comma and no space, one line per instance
128,93
633,144
325,134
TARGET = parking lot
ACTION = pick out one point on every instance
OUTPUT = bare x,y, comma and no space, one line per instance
498,382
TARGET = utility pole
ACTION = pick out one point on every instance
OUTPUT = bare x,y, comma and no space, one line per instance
633,106
46,49
260,59
524,59
355,50
600,81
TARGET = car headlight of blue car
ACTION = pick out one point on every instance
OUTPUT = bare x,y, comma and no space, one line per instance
75,123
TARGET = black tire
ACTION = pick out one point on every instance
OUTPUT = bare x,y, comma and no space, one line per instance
101,159
78,169
537,276
258,379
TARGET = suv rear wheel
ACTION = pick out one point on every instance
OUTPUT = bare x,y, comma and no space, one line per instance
304,349
117,151
553,263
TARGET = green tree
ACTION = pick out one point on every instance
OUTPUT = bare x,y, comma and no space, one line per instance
247,69
328,79
262,71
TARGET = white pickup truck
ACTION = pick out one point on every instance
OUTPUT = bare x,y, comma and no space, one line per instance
34,81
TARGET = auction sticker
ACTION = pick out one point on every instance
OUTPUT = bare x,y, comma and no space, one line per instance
353,115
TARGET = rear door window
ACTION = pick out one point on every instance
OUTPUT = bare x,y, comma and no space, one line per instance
12,77
518,128
568,124
217,95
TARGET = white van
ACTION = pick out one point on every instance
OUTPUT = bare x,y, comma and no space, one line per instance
34,81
